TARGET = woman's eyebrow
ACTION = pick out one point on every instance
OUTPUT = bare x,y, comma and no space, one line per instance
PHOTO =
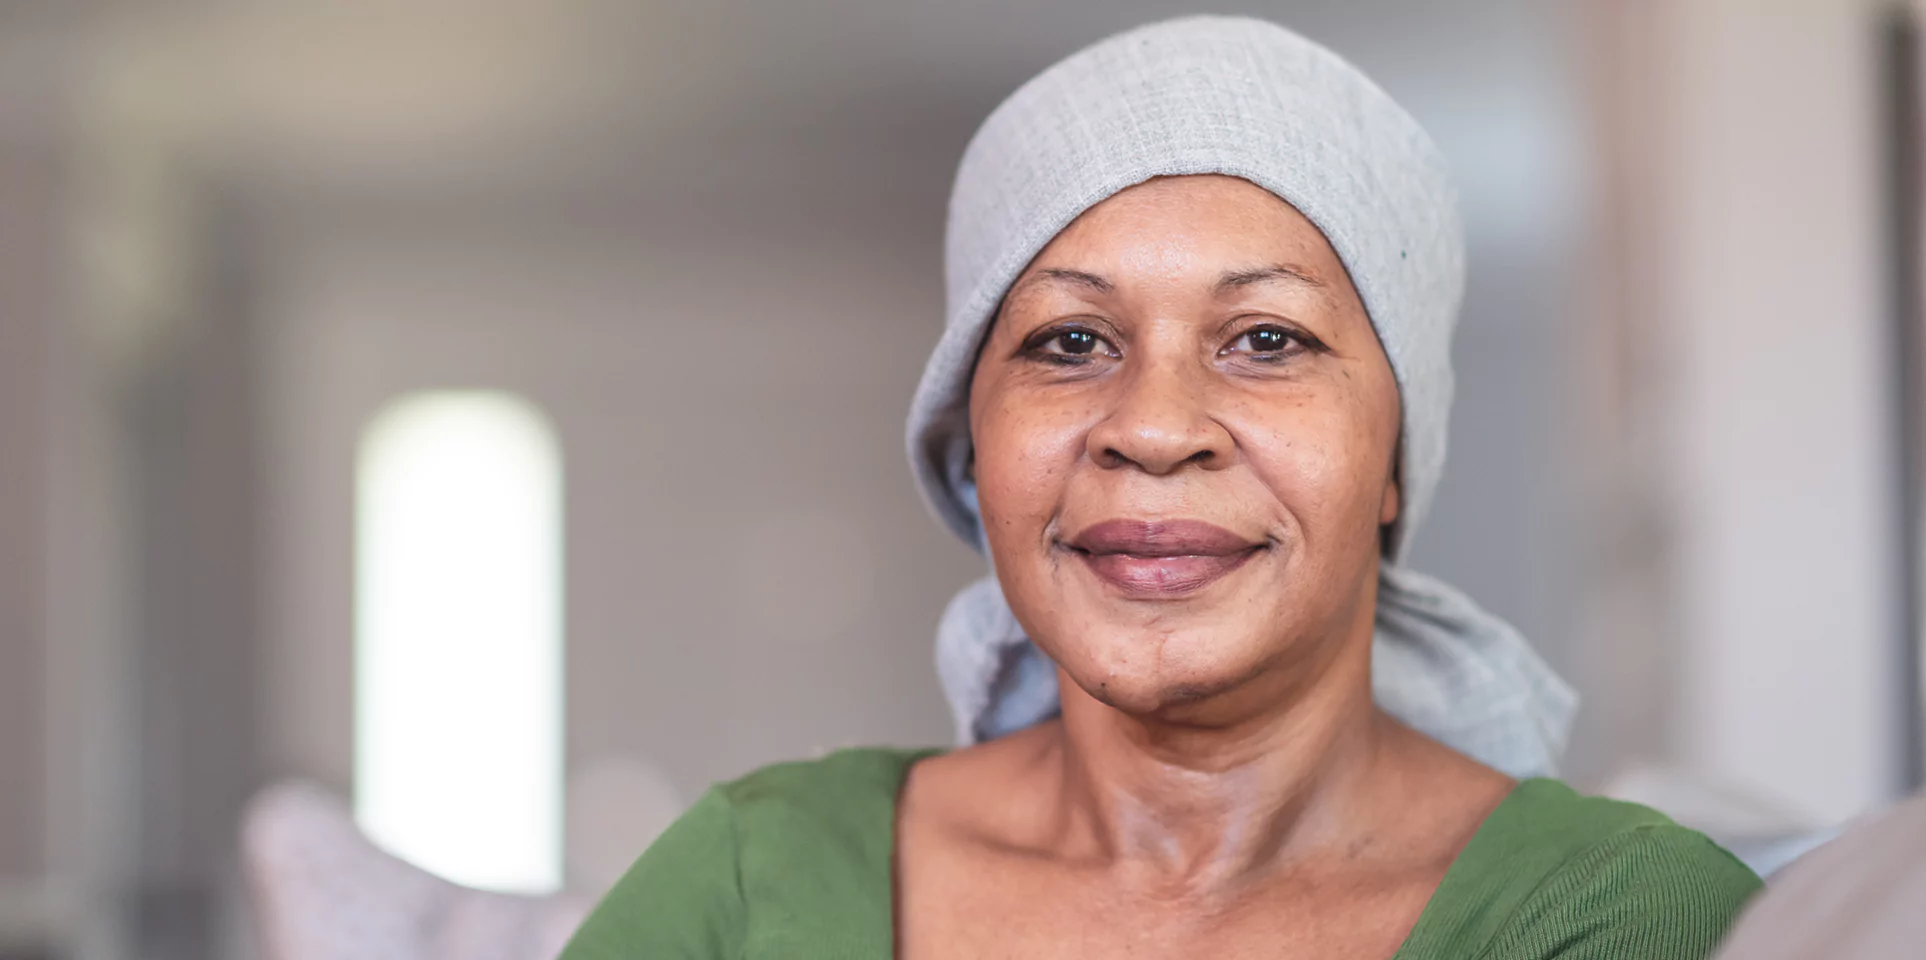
1077,277
1231,281
1286,273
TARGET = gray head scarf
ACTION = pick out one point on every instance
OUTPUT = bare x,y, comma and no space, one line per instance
1249,99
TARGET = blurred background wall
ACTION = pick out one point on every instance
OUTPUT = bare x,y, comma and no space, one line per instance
705,241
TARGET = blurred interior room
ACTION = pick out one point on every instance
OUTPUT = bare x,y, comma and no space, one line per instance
497,407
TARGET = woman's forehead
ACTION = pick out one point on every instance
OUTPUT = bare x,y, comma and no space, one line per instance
1205,235
1191,227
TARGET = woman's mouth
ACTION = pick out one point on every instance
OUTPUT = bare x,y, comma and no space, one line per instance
1160,559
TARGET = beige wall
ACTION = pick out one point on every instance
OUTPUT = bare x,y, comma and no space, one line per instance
28,212
751,576
1770,342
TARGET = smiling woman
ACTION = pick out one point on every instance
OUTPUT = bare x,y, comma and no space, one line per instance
1191,402
1182,467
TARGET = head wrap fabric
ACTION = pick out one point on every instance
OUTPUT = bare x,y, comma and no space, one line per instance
1246,98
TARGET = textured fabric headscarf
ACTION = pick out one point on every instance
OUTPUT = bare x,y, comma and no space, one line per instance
1250,99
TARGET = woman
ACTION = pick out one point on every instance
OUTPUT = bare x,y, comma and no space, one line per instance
1191,403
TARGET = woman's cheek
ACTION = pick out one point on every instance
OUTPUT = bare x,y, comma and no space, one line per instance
1026,451
1013,479
1315,466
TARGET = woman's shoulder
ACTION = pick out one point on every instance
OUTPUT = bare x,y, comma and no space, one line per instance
746,843
1553,870
843,802
1547,815
1548,822
832,782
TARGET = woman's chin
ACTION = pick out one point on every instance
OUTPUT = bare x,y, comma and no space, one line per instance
1148,677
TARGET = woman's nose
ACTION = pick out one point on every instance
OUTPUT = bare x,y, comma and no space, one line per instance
1160,423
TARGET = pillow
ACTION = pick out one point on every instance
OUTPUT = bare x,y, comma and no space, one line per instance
324,891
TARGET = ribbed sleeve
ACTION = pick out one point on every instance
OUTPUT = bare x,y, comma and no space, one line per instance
1555,874
1658,892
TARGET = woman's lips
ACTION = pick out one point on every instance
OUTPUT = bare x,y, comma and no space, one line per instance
1160,559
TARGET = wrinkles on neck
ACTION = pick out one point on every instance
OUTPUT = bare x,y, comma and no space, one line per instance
1214,797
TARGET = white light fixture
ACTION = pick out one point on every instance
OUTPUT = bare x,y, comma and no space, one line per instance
458,647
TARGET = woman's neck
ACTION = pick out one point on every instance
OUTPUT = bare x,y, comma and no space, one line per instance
1214,804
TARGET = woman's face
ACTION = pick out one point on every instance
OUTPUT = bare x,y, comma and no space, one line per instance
1185,435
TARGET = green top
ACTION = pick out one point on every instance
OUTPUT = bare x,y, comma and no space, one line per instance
793,861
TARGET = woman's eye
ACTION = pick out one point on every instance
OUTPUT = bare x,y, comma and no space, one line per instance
1073,344
1263,341
1076,342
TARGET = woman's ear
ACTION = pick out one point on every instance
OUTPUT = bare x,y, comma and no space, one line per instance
1388,507
1388,514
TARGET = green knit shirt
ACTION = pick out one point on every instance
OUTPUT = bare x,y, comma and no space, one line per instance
793,862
